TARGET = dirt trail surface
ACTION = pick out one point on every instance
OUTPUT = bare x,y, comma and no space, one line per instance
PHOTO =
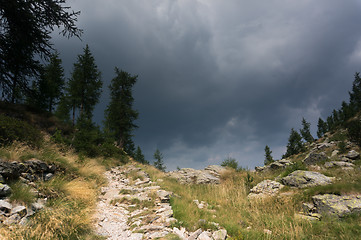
132,207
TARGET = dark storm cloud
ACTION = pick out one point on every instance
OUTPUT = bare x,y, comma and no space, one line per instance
222,78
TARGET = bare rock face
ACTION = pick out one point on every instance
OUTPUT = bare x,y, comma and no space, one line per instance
265,188
303,179
330,204
210,175
314,158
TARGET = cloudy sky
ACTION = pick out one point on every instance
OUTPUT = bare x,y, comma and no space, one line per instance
220,79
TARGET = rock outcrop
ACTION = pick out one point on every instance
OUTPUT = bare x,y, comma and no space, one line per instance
280,164
314,158
265,188
210,175
303,179
332,205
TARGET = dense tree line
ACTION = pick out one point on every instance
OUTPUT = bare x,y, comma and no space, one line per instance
25,28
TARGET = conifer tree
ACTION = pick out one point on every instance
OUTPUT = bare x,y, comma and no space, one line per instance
305,131
119,115
25,33
84,87
294,145
159,164
139,157
50,85
321,128
355,94
268,156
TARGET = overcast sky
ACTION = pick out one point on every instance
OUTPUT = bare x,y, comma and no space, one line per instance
220,79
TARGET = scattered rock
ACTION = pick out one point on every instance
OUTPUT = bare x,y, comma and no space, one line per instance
353,155
5,206
194,236
302,179
220,234
280,164
265,188
335,205
314,158
5,190
20,210
339,164
205,236
13,219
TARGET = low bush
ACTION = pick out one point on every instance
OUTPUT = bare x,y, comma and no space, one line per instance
12,129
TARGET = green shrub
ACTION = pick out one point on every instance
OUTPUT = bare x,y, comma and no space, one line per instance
21,193
230,162
12,129
294,167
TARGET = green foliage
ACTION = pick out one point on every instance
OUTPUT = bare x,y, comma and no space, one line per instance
84,88
26,28
268,157
248,182
355,94
139,157
321,128
87,137
294,167
12,129
354,131
294,145
119,115
159,164
342,147
50,85
305,131
230,162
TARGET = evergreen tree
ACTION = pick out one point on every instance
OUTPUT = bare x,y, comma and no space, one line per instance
119,115
330,123
321,128
346,112
355,94
25,33
139,157
50,85
294,145
159,164
268,156
305,131
84,87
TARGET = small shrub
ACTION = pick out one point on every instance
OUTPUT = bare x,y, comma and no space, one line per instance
342,147
12,129
294,167
21,193
230,162
248,182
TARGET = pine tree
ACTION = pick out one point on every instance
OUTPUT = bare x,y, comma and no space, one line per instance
139,157
159,164
119,115
25,33
84,87
355,94
50,85
294,145
321,128
268,156
305,131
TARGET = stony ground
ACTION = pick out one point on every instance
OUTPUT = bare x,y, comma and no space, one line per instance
133,207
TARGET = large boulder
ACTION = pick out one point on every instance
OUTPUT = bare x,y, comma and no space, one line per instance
280,164
303,179
353,155
330,204
314,158
209,175
9,170
265,188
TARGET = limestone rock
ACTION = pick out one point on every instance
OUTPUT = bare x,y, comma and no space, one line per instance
20,210
280,164
13,219
340,206
353,155
5,206
220,234
194,236
265,188
314,158
339,164
302,179
5,190
205,236
188,175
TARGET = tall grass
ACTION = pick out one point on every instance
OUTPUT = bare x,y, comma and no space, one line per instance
248,219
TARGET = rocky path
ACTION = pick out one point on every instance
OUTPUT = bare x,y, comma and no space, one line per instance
133,207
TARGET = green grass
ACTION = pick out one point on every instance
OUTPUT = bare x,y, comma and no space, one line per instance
21,193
